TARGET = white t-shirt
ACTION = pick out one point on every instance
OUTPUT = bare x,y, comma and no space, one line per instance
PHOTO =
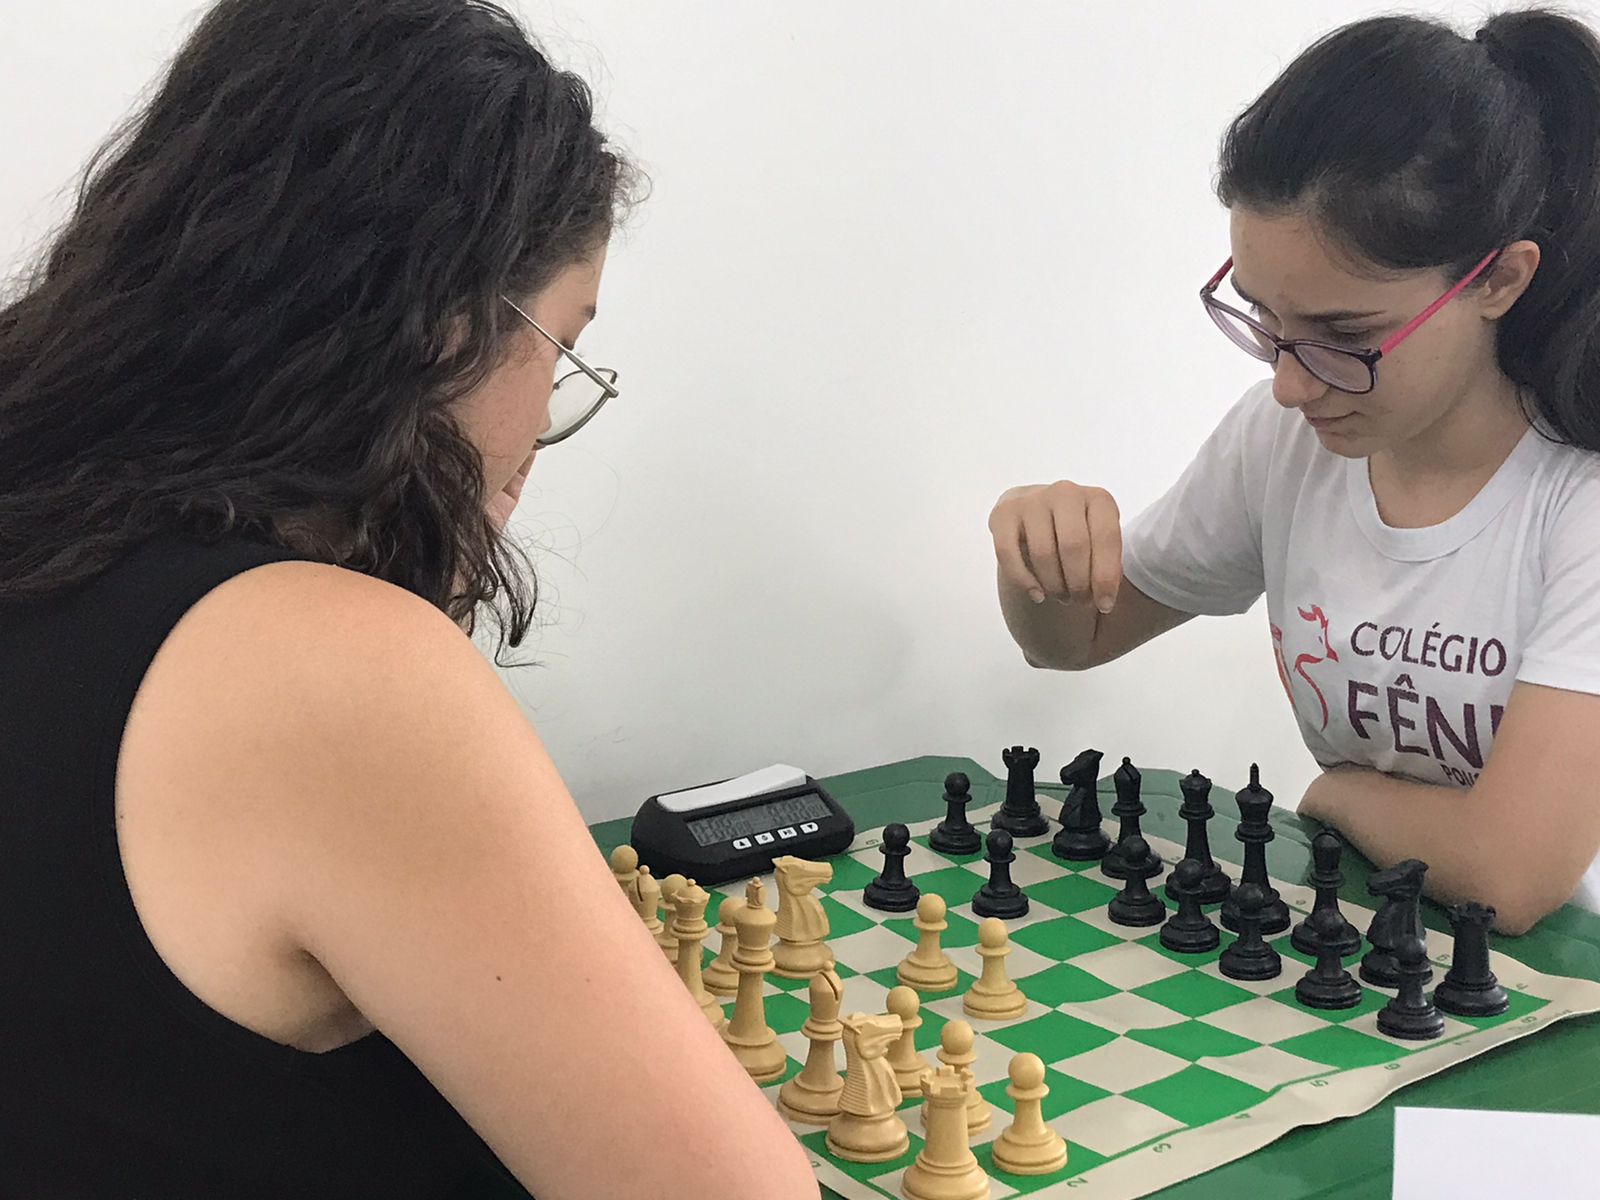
1398,648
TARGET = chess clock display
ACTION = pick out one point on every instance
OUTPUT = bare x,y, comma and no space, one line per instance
736,827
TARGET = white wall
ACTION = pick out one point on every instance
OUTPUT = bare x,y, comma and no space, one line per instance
899,257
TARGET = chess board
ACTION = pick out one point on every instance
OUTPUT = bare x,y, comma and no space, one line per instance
1160,1068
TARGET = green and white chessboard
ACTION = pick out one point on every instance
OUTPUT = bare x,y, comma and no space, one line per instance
1159,1067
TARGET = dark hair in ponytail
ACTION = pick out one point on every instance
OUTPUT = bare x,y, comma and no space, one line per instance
1415,147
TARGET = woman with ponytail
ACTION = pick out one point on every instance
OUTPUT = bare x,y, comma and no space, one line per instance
1415,252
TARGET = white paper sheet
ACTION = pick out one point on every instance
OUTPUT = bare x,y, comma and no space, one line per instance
1465,1154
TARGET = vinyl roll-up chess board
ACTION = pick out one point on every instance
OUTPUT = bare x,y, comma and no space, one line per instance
1160,1068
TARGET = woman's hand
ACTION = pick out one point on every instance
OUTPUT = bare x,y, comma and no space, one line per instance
1060,540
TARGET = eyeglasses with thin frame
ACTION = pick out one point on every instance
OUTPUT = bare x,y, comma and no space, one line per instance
577,395
1343,368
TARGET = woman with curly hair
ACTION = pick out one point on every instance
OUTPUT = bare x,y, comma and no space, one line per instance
294,902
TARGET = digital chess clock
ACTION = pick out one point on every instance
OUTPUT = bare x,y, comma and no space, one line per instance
735,828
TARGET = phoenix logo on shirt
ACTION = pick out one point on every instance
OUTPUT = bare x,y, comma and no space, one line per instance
1289,675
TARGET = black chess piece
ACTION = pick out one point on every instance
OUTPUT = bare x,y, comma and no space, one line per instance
1400,917
1326,877
1327,985
955,834
1249,957
1136,904
1020,815
1469,988
1255,831
1189,930
1410,1014
1080,838
892,891
1000,897
1196,810
1119,863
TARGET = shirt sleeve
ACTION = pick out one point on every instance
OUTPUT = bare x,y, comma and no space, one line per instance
1563,648
1198,548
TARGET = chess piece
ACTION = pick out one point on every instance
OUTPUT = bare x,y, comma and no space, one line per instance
802,924
1410,1014
670,887
955,834
1028,1146
625,868
956,1042
689,929
1120,860
1326,877
867,1128
994,996
908,1063
1469,988
1255,831
1400,887
945,1167
1249,957
748,1035
1196,810
1327,985
1080,838
646,900
720,977
1135,904
1000,897
928,968
892,891
1019,815
812,1096
1189,930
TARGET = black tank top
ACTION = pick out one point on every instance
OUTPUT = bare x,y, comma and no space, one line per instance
116,1081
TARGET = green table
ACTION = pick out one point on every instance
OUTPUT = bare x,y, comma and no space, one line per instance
1556,1070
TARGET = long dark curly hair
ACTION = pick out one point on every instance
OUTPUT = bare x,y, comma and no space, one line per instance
279,275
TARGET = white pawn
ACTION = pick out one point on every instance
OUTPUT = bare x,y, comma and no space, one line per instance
625,868
928,968
1028,1146
946,1168
812,1096
956,1041
994,996
908,1063
721,977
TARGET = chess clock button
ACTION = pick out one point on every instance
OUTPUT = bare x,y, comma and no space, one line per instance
787,833
765,839
743,843
809,827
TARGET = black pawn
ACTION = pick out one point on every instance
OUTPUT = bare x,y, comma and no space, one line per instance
1249,957
1196,810
1120,862
1411,1015
1327,985
1189,930
1326,877
955,834
892,891
1080,838
1400,917
1019,815
1135,904
1000,897
1469,988
1255,831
